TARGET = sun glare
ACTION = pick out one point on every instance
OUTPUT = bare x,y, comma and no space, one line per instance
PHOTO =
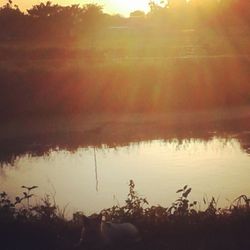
126,7
110,6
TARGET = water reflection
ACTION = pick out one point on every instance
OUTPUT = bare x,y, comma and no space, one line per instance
217,166
42,144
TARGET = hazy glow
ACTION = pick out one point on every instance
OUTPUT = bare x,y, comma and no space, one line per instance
110,6
125,7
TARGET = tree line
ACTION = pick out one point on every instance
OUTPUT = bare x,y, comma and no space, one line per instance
48,20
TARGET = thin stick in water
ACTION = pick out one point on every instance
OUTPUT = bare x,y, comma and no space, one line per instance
96,174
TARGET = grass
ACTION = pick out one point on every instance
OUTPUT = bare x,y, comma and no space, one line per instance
123,86
125,72
180,226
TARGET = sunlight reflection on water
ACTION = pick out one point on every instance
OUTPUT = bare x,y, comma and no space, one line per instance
217,167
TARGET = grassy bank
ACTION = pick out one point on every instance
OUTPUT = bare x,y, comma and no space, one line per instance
181,226
64,87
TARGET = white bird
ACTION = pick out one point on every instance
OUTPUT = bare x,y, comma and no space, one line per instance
99,232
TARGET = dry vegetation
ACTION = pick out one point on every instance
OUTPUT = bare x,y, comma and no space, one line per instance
180,226
125,86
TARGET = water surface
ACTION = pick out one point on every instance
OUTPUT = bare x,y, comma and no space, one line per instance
216,166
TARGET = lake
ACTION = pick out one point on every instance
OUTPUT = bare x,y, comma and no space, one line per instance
89,169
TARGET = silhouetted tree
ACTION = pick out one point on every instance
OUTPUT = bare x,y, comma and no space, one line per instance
158,12
51,21
11,20
93,17
44,10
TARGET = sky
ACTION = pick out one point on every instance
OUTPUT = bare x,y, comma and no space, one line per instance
123,7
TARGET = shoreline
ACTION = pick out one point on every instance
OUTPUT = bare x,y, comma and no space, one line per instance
89,123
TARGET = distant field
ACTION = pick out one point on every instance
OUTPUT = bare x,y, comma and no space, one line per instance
133,43
61,87
126,72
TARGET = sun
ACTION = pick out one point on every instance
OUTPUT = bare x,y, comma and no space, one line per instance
126,7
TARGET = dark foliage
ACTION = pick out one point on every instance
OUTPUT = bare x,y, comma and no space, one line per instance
180,226
50,21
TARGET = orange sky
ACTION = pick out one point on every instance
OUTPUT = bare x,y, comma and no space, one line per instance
123,7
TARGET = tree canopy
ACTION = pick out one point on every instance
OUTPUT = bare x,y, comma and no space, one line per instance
53,20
